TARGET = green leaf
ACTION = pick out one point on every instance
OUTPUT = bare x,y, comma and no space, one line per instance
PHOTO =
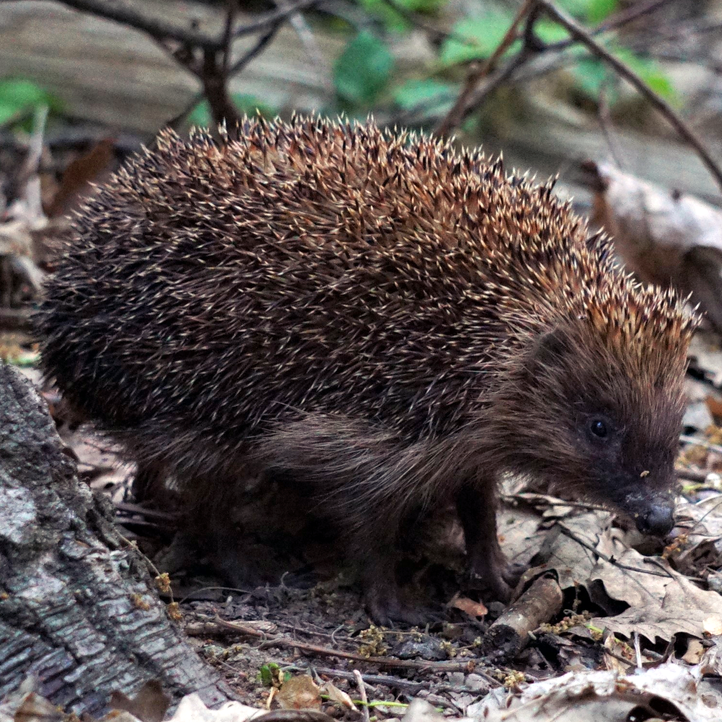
18,96
599,10
267,673
251,105
428,92
201,115
593,11
591,73
550,32
422,6
391,19
394,20
363,70
649,71
481,35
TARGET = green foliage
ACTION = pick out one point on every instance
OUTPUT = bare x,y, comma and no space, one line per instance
592,74
249,104
19,98
271,674
591,11
394,20
363,70
428,94
483,34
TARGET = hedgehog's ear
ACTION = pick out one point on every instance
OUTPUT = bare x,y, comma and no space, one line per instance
548,349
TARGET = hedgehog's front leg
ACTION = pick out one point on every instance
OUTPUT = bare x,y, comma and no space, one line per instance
476,505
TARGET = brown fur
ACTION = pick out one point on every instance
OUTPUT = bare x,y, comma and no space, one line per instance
374,315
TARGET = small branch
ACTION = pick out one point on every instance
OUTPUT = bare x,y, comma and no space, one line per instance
151,26
273,17
480,71
237,67
583,37
284,642
362,693
160,30
606,558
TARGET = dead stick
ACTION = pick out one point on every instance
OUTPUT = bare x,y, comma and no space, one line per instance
362,693
467,666
509,634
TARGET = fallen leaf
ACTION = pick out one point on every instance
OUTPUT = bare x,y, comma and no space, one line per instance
472,608
299,693
664,236
149,704
608,696
338,695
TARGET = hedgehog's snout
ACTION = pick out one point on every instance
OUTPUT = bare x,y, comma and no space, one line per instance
657,519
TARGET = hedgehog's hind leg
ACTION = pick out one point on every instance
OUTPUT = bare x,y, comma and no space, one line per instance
364,478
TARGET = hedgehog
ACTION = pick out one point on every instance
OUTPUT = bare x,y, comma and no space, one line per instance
389,322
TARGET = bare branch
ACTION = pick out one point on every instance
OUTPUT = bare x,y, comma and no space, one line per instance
480,71
160,30
151,26
583,37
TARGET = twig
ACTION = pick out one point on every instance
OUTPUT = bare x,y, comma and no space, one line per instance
478,98
239,628
228,36
362,693
237,67
164,31
605,123
273,17
151,26
480,71
581,35
606,558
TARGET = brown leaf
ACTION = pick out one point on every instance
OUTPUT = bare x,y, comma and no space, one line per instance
472,608
299,693
664,236
92,167
149,704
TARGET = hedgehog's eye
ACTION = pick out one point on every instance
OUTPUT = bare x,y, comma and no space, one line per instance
599,428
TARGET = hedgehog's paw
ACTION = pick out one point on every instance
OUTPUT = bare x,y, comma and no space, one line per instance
384,607
495,576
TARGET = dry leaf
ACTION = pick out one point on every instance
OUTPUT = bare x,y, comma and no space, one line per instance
608,696
149,704
662,602
192,709
93,167
664,236
695,650
299,693
338,695
472,608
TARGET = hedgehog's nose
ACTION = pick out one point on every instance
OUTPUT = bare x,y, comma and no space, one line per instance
657,520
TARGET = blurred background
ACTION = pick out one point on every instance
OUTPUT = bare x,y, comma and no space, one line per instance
122,69
621,99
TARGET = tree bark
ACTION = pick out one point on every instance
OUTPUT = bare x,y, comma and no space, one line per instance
77,608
